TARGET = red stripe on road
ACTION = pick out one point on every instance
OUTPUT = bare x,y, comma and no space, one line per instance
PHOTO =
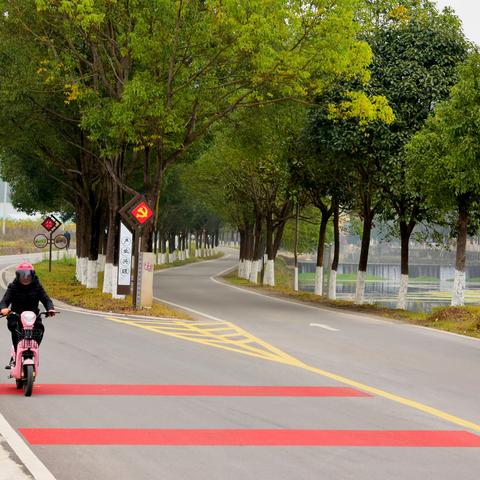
348,438
188,390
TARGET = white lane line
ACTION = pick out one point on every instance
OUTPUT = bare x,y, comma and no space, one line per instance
162,270
211,317
23,452
319,309
2,283
326,327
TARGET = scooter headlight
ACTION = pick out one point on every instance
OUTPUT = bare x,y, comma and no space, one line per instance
28,318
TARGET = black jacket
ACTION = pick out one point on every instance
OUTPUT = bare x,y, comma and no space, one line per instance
20,298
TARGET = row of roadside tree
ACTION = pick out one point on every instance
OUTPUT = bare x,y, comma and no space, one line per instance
237,112
408,157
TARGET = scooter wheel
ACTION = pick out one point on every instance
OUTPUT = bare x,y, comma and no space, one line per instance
19,384
28,382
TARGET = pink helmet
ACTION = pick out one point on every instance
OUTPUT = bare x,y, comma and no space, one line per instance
25,273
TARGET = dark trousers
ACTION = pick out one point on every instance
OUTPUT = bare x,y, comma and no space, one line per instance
15,327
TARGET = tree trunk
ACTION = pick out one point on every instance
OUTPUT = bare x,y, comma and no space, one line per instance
241,257
92,268
80,220
278,235
462,227
295,248
405,233
332,282
320,251
362,265
248,250
269,275
85,236
112,235
256,250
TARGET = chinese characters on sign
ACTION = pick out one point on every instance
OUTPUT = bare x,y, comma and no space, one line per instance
148,266
125,257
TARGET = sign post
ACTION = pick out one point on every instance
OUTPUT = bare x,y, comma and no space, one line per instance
136,213
50,224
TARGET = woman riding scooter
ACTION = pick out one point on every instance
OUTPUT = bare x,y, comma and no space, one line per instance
23,294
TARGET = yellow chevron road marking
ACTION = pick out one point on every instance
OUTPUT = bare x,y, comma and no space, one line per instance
195,333
207,336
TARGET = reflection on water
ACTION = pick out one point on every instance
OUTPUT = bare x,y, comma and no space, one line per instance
422,296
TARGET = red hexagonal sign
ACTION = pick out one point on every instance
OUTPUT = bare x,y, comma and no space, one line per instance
142,212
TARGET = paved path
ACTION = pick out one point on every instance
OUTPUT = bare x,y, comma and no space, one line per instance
255,388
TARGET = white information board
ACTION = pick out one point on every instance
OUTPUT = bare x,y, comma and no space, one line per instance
125,256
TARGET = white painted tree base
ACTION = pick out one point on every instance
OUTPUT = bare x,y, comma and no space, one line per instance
115,283
83,270
107,278
458,294
254,272
248,268
332,285
360,288
101,263
295,279
92,274
269,278
318,281
78,270
402,294
241,268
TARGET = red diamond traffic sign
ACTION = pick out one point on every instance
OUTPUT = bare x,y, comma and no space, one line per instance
49,224
142,212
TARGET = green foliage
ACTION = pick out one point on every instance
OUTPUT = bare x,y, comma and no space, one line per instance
308,232
444,156
416,51
246,166
180,209
415,67
36,134
183,65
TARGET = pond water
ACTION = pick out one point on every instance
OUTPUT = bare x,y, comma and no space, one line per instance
430,285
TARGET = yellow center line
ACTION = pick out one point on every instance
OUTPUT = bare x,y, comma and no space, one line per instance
274,354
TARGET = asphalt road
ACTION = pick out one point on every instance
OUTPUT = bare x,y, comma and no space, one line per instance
399,401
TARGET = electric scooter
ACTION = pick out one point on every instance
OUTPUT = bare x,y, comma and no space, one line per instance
26,359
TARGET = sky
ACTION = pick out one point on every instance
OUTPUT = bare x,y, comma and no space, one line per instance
469,12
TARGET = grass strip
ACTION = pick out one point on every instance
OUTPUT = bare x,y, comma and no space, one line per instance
61,284
341,277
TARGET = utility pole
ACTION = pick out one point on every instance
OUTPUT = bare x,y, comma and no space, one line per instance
5,189
295,248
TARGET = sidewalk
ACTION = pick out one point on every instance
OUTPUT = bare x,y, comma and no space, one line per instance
10,466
